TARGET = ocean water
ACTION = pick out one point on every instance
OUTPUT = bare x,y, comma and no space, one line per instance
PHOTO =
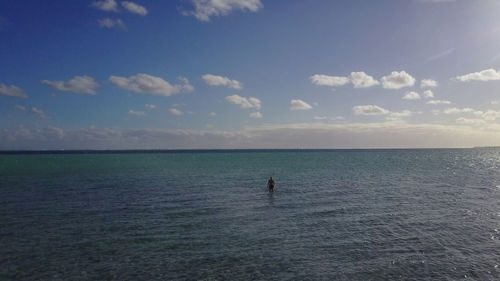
334,215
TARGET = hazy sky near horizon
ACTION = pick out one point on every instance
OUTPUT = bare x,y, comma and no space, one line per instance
146,74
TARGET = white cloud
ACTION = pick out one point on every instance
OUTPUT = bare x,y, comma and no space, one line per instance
468,110
393,119
12,91
212,114
485,75
136,113
369,110
470,121
428,94
106,5
491,115
454,110
38,112
299,105
134,8
148,84
325,80
175,111
404,113
186,87
243,102
337,118
204,9
358,79
303,135
478,112
428,83
320,117
411,96
216,80
256,115
20,107
495,102
397,80
435,102
79,84
110,23
362,80
150,106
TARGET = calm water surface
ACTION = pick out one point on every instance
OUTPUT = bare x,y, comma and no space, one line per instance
337,215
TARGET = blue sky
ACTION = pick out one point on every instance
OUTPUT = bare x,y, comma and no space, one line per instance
149,74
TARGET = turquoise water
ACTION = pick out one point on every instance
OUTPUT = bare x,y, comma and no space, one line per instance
337,215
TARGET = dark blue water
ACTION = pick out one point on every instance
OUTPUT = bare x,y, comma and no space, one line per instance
336,215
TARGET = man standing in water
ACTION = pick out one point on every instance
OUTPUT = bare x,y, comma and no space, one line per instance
270,184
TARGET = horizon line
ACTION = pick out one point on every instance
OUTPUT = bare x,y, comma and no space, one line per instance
111,151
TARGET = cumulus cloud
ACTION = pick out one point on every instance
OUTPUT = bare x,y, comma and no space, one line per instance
256,115
150,106
136,113
482,117
428,83
12,91
216,80
106,5
455,110
299,105
428,94
134,8
491,115
411,96
397,80
185,85
205,9
79,84
243,102
38,112
485,75
362,80
369,110
110,23
436,102
470,121
175,111
212,114
326,80
148,84
358,79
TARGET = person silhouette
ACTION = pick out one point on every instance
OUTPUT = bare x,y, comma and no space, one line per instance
270,184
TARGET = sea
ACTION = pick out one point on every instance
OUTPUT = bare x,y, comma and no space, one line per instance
424,214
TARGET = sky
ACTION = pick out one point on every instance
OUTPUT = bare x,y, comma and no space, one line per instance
228,74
